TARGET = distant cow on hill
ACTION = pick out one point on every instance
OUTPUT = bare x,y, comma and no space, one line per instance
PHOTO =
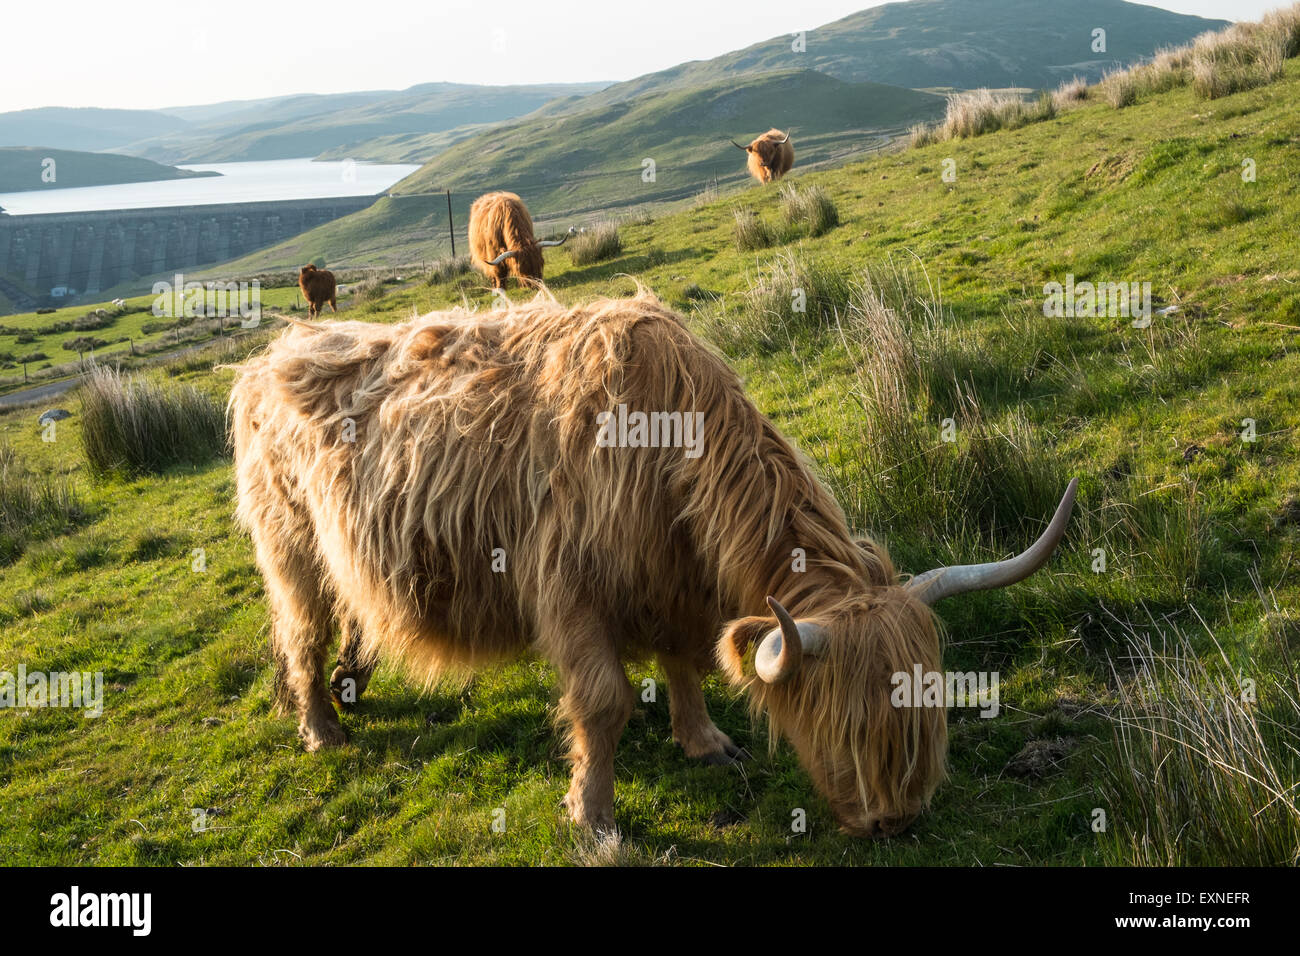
501,240
318,288
771,155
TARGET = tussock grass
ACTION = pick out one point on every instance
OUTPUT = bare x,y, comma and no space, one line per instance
135,425
369,290
596,244
1119,88
444,270
1217,64
924,440
808,211
790,297
1201,773
1070,93
750,231
32,506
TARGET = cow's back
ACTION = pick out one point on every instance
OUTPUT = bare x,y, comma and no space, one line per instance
450,471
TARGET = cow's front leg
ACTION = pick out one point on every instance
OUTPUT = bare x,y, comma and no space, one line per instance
595,706
693,729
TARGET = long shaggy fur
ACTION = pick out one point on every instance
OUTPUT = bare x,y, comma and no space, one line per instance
769,158
318,288
497,222
380,467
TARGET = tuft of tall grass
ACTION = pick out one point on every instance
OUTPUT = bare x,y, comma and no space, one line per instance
1119,88
369,290
1242,57
444,270
750,232
918,443
1206,754
976,112
1070,93
809,211
596,244
791,297
32,505
134,425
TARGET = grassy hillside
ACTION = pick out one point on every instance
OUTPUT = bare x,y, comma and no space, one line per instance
591,164
310,125
942,43
925,304
21,169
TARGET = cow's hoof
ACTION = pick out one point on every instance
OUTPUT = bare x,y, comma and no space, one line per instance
321,736
347,686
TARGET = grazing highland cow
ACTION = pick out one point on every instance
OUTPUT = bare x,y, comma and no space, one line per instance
501,240
590,484
771,156
318,288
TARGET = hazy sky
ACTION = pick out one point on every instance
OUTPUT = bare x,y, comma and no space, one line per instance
147,54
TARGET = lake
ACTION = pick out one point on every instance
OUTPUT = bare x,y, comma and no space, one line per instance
264,181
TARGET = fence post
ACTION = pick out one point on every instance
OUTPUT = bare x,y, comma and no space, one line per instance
451,226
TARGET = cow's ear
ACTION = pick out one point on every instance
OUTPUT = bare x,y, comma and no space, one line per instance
736,638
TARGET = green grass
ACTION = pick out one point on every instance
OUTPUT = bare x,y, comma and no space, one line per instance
927,307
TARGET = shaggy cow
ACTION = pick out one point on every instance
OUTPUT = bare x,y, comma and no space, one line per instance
466,487
501,240
318,288
771,155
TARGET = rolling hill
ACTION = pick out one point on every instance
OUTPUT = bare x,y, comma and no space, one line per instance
310,125
283,127
959,44
21,169
576,165
83,129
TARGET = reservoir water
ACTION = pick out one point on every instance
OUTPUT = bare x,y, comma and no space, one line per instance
263,181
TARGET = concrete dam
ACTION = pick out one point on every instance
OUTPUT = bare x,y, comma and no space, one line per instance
51,258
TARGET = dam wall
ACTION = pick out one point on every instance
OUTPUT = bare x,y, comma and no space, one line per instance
83,253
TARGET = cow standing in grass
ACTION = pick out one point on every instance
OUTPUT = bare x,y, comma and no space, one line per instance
771,155
463,488
318,289
501,240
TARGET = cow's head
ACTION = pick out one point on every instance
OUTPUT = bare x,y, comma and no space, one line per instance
827,683
306,271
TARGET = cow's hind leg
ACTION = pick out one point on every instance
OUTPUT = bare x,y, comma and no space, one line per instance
596,703
353,670
301,628
693,729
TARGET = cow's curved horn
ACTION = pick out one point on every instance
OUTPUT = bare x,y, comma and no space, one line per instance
503,257
940,583
780,654
738,146
559,242
786,140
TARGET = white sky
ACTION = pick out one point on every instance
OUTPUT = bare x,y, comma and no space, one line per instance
147,54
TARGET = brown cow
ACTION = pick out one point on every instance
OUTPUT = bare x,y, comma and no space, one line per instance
501,240
771,155
318,288
590,484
